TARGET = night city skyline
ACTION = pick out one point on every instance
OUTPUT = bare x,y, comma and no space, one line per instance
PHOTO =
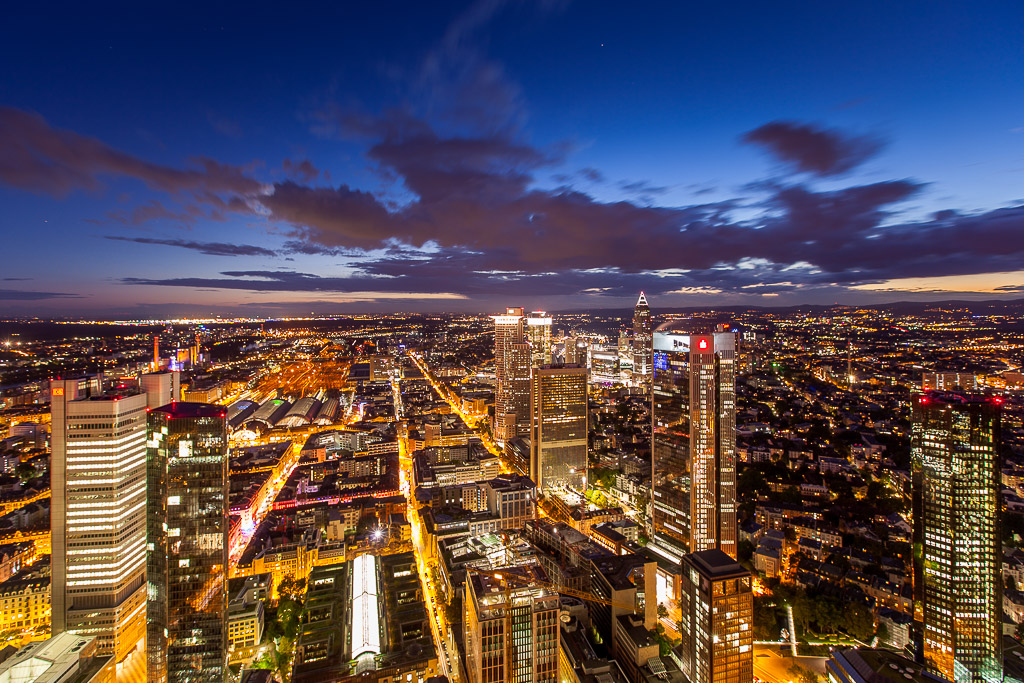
450,156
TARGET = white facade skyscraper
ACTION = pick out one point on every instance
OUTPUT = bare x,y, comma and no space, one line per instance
512,358
98,516
98,512
538,333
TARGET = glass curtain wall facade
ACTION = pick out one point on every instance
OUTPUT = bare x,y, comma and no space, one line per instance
559,435
957,536
533,620
187,563
693,456
538,332
512,358
717,611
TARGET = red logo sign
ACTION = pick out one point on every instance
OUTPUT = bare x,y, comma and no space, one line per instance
57,391
703,344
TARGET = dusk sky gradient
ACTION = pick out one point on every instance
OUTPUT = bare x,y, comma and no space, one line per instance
267,159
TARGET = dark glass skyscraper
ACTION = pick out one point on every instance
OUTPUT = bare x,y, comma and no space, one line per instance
958,564
187,543
694,441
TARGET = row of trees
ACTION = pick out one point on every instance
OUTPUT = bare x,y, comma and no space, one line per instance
282,628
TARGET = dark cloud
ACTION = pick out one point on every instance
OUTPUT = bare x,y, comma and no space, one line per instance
472,218
811,149
338,216
21,295
289,281
154,210
314,249
41,158
209,248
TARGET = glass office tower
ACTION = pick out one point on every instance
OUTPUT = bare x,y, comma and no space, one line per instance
187,543
957,553
512,358
718,613
558,404
693,460
538,334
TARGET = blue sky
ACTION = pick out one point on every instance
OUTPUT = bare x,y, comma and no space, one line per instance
264,160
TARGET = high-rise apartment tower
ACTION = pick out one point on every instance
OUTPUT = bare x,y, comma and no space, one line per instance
526,653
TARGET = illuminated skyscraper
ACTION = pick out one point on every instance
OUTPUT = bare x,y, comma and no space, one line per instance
531,645
604,365
717,619
958,572
642,355
577,350
694,441
949,381
538,332
512,358
98,518
187,562
558,440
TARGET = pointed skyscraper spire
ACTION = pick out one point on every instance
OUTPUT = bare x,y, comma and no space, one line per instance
642,351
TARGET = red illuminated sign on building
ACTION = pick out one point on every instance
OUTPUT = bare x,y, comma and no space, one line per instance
703,344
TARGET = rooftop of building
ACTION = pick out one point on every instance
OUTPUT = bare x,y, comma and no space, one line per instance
1013,659
957,398
618,570
64,657
111,393
185,410
883,666
640,636
404,637
490,589
716,564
